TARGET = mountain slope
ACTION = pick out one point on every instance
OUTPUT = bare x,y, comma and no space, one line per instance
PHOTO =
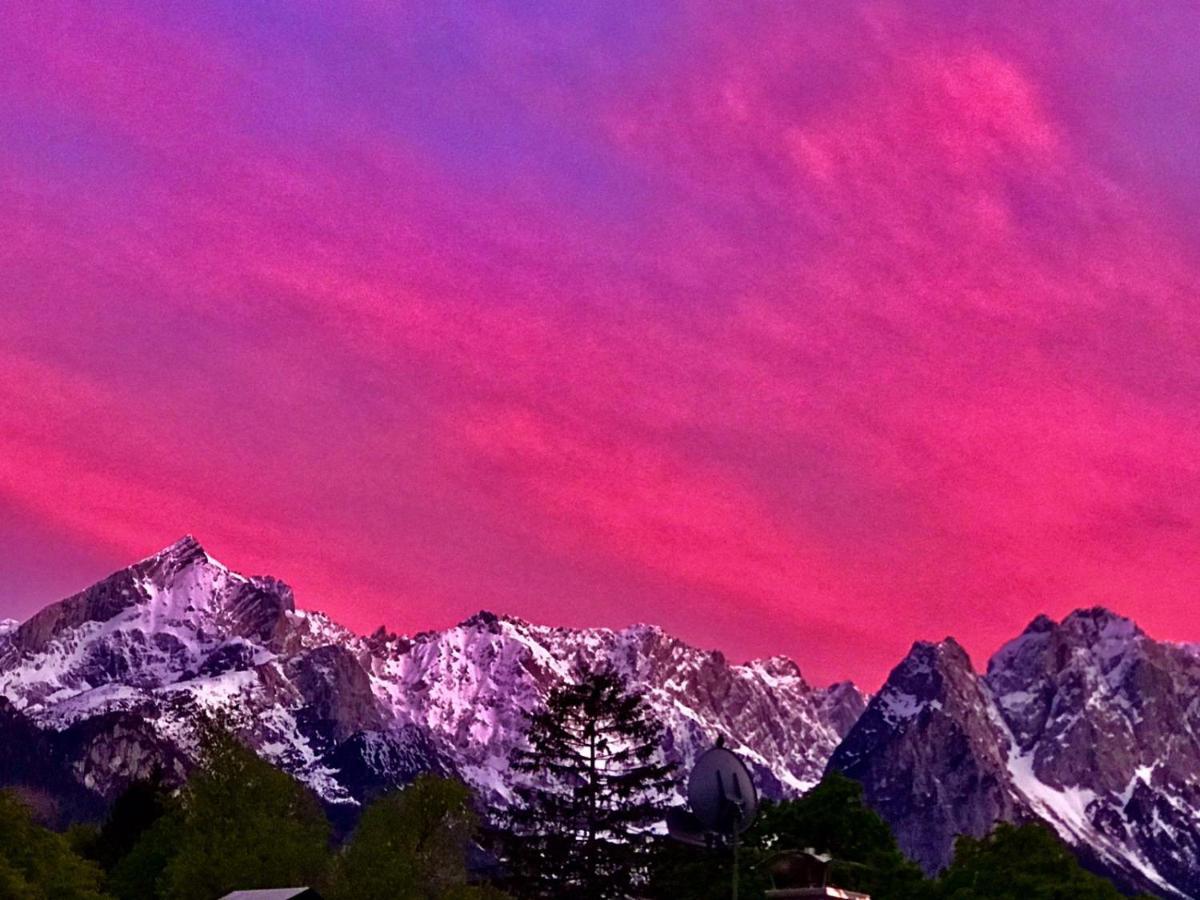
179,634
1087,724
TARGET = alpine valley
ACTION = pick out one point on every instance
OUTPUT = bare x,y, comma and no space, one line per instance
1087,724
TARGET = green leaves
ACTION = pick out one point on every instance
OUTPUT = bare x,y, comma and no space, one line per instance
1026,861
411,845
37,864
243,824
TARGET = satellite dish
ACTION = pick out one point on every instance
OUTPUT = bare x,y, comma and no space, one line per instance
721,792
684,827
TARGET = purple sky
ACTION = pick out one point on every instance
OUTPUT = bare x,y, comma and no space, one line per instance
794,328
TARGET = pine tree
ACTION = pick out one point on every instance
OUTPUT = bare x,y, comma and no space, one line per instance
593,783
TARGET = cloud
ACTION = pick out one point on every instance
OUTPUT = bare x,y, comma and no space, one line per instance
836,319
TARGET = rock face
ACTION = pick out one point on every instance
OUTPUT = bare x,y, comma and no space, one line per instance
117,675
34,762
1087,724
931,757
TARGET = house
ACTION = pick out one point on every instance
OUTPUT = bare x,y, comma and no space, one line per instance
805,875
295,893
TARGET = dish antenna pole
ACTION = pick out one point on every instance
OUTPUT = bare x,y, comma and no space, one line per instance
723,803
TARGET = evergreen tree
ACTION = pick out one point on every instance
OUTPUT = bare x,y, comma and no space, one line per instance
37,864
412,845
593,783
139,874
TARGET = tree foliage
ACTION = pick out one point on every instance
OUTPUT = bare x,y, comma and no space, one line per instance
1026,861
832,818
37,864
238,823
139,874
593,785
138,807
411,845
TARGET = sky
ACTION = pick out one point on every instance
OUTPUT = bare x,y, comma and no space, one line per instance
795,328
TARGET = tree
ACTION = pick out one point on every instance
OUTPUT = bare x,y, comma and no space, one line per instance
411,845
593,784
1027,861
138,807
37,864
241,823
140,873
832,818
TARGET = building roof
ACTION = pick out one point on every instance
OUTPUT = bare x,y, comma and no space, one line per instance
293,893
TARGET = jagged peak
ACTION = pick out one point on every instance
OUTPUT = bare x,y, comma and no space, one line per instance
186,546
644,629
489,620
943,653
1090,620
1039,624
176,557
1101,622
841,688
779,666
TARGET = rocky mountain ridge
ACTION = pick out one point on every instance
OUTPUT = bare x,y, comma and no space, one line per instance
179,634
1086,724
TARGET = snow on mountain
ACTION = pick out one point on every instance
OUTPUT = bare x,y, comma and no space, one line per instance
135,658
1086,724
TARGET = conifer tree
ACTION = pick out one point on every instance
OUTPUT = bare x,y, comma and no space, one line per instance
593,783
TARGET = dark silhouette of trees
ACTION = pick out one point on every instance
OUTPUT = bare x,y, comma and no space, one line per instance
239,822
832,818
593,785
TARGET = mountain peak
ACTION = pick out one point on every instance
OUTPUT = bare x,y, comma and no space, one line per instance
487,620
1100,622
927,655
1039,624
178,555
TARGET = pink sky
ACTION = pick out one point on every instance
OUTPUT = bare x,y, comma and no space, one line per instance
815,329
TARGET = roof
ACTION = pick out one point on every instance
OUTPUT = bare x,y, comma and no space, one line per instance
294,893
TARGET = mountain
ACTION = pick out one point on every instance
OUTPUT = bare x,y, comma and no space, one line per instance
1087,724
113,679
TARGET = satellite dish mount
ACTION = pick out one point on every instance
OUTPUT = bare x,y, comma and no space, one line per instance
723,803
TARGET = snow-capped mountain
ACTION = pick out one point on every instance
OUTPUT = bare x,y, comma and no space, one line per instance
1087,724
113,679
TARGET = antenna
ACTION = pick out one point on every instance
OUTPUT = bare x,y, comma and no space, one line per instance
723,803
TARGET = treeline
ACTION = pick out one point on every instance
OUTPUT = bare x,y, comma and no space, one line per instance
240,823
1014,862
583,823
